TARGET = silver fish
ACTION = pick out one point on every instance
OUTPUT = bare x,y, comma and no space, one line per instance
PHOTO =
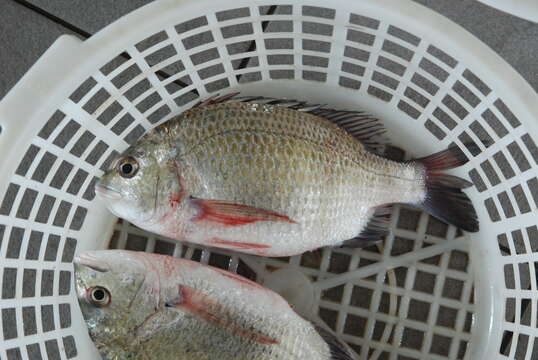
274,180
146,306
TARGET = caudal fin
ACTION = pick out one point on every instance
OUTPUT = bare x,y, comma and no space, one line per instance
444,198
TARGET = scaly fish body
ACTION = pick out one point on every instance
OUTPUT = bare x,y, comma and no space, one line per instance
147,306
258,178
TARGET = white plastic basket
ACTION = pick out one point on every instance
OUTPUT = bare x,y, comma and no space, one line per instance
430,82
526,9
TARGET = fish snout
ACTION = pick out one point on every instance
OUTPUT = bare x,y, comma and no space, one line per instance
87,260
106,192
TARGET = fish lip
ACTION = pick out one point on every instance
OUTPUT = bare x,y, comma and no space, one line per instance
107,192
86,260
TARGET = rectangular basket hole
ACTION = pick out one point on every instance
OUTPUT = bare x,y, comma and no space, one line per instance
138,89
160,55
148,102
315,28
382,79
197,40
53,351
249,77
509,278
14,354
280,9
159,114
64,283
47,282
532,233
504,247
349,83
317,61
9,324
51,251
174,68
314,76
240,47
320,12
409,109
353,69
245,63
506,205
391,66
492,210
9,282
27,160
380,94
233,14
191,24
425,84
51,124
115,63
45,209
531,146
70,348
237,30
67,133
113,155
82,143
466,94
211,71
357,54
416,97
494,123
29,277
519,243
477,180
152,40
29,320
361,20
9,199
481,133
278,44
126,75
455,107
217,85
135,134
83,89
43,169
26,205
433,69
282,74
62,213
65,315
34,245
68,253
47,318
96,101
61,175
186,98
398,50
507,113
476,82
78,218
491,174
443,56
96,153
15,242
122,124
510,311
518,156
360,37
533,187
205,56
434,129
403,35
503,164
317,46
77,182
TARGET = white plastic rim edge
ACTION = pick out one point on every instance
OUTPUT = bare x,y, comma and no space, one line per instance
69,61
526,9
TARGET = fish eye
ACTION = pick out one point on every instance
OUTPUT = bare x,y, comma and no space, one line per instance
99,296
128,167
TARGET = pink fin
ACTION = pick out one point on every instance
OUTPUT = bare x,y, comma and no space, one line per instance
207,308
229,214
239,245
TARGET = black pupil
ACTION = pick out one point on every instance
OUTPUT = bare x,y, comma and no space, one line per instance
98,294
126,168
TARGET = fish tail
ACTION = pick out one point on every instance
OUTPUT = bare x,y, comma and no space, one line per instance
444,196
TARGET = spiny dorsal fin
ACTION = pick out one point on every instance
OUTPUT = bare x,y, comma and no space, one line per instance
361,125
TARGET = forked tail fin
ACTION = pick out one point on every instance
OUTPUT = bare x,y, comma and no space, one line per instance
444,198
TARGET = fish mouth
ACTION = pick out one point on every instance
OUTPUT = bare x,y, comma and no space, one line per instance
107,192
90,261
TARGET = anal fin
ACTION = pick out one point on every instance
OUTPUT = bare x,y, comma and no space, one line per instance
375,231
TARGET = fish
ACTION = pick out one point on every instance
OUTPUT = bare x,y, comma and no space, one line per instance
276,178
138,305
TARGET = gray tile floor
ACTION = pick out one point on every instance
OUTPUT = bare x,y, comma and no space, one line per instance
25,33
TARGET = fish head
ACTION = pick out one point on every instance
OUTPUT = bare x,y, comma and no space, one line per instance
138,181
116,292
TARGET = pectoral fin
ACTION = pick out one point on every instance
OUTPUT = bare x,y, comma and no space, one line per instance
209,309
230,214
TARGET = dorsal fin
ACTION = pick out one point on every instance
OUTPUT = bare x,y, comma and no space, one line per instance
361,125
